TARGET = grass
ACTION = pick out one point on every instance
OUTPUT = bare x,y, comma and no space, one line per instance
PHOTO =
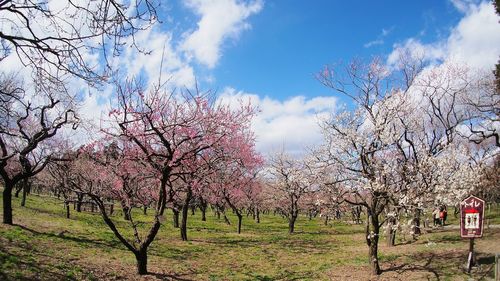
44,245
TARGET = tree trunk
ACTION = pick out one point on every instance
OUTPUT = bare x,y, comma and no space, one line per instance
203,209
26,187
228,222
291,224
79,199
126,211
176,218
258,215
7,204
185,210
203,213
66,205
416,224
142,261
391,232
18,190
240,218
373,255
372,241
145,210
184,223
326,220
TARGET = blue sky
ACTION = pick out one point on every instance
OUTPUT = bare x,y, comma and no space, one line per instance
268,51
292,40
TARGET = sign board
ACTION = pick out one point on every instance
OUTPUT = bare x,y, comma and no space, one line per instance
471,217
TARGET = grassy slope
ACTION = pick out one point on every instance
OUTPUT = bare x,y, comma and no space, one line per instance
37,248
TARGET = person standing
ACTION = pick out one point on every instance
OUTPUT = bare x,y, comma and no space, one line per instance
435,216
445,215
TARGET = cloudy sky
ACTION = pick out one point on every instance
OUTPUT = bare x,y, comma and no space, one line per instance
268,51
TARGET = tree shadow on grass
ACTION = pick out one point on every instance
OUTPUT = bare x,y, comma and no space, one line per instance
446,263
64,236
20,265
426,267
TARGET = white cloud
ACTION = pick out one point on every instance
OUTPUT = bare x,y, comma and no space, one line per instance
165,52
434,52
380,38
160,57
220,20
374,43
464,6
292,124
474,41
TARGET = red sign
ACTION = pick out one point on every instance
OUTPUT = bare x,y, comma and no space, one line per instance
471,217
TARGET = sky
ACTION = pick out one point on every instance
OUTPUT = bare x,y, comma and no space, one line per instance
269,51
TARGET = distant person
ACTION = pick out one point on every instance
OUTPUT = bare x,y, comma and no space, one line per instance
441,216
435,216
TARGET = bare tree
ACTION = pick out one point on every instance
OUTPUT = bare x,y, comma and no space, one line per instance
27,125
58,38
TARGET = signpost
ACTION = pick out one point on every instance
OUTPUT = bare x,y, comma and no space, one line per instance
471,224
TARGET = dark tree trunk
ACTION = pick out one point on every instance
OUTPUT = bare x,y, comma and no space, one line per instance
372,241
240,219
26,190
291,223
142,261
203,209
203,213
79,200
356,214
145,210
184,223
175,218
257,215
185,210
66,205
192,210
228,222
416,224
373,254
126,211
18,190
7,204
326,220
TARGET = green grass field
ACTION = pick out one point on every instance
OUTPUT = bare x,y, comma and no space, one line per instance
44,245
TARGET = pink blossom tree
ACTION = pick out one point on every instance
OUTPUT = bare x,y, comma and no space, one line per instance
169,133
234,176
